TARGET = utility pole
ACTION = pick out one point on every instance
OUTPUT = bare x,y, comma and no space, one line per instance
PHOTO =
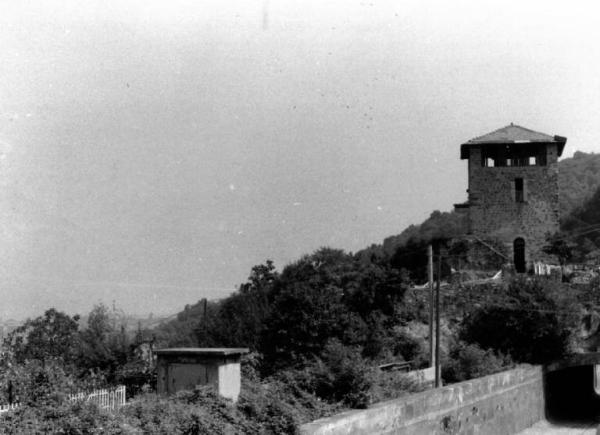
438,372
431,304
204,306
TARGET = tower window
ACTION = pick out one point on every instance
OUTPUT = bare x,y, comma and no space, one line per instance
513,155
519,194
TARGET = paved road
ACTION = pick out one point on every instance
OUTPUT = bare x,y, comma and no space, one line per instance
544,427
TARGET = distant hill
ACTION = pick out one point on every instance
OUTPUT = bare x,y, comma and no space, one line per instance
579,196
582,229
180,329
439,225
578,180
579,183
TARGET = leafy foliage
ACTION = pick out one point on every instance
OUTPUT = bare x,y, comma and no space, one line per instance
440,226
327,295
578,180
408,250
239,319
51,336
99,355
182,331
534,323
581,229
340,375
317,330
34,381
60,417
558,246
103,347
467,361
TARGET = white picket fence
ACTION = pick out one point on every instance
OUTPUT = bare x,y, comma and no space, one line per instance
105,399
6,408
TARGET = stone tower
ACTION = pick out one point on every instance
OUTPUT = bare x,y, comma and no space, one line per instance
513,190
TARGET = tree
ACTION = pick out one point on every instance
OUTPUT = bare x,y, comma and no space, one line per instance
328,295
559,247
469,361
240,318
103,346
51,336
308,308
535,321
34,382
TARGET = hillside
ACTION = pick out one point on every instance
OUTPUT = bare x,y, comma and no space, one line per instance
327,321
581,228
578,180
579,184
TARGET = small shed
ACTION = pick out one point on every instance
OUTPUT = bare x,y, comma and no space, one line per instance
185,368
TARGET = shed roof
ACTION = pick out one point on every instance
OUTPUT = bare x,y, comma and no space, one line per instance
512,134
203,351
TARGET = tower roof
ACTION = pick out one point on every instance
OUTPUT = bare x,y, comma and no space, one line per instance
512,134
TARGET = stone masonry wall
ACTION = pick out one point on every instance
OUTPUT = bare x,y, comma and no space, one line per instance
500,404
494,213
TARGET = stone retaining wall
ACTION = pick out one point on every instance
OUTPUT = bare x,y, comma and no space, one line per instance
504,403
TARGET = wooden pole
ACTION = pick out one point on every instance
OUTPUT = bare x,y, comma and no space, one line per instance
438,380
431,305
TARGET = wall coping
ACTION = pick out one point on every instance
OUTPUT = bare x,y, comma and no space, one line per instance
442,400
202,351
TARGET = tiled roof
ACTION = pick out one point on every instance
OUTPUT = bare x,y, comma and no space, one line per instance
512,134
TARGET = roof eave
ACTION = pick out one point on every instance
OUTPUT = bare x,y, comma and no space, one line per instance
560,141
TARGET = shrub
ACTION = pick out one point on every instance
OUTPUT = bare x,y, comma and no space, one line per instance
268,406
467,361
393,384
61,416
533,322
34,382
340,375
188,412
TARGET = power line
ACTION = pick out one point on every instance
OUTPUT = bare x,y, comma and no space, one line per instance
536,310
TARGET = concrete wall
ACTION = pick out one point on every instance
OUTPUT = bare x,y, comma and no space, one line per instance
494,213
422,376
504,403
230,380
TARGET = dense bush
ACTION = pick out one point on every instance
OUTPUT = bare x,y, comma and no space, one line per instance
102,346
535,321
469,361
201,411
61,417
328,295
34,381
340,375
188,412
393,384
96,356
51,336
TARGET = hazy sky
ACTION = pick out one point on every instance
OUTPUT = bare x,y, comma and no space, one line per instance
152,152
